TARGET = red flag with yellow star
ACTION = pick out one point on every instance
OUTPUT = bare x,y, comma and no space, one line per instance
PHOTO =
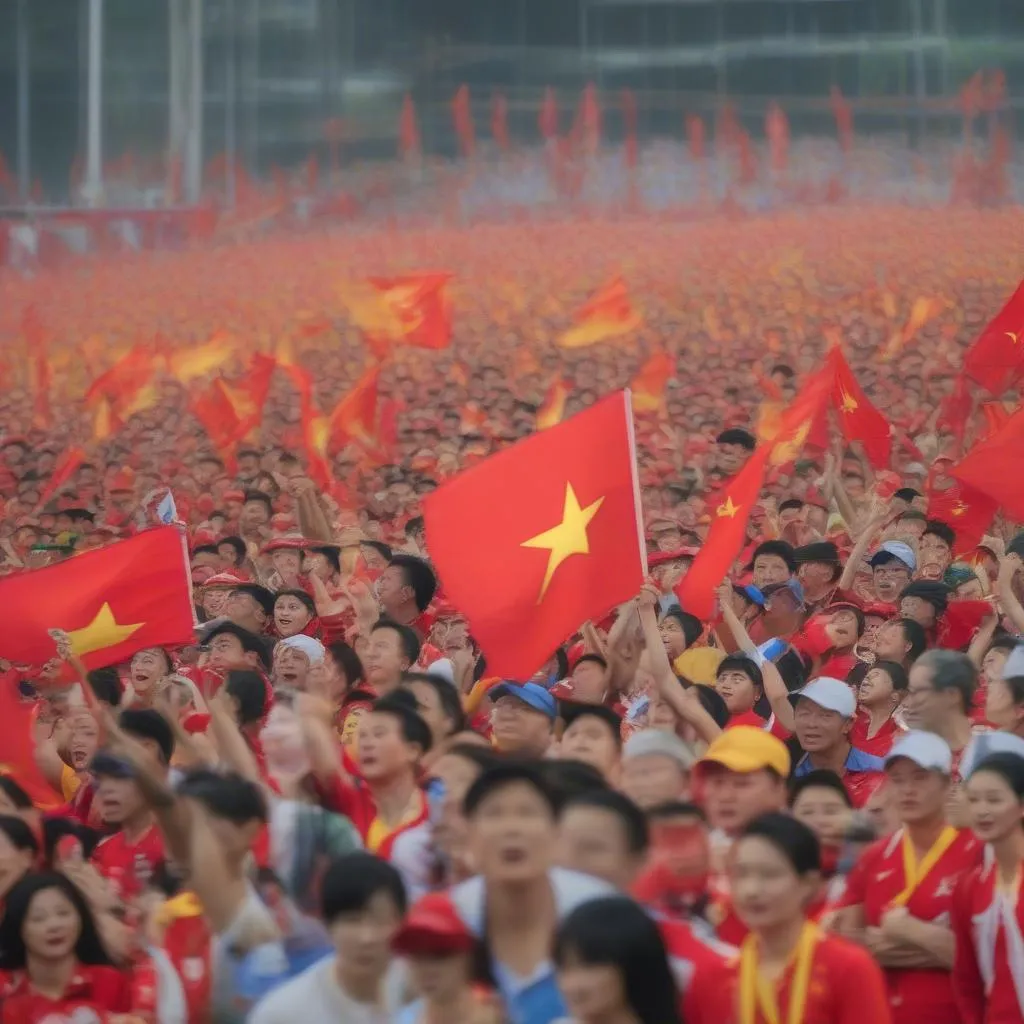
544,535
966,510
859,420
991,467
730,513
111,603
996,359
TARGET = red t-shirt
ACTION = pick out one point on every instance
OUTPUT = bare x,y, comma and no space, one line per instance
846,987
881,743
702,970
751,717
92,994
130,866
875,882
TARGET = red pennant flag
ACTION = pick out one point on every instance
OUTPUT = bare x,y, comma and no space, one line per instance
408,131
649,384
956,410
629,125
991,467
858,418
122,384
843,115
590,119
996,359
462,114
696,137
17,744
111,603
355,416
414,309
553,407
609,313
562,536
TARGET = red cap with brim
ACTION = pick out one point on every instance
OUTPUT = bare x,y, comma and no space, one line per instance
433,928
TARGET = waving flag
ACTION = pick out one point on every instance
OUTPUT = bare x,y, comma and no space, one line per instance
996,359
609,313
858,418
648,387
189,364
552,409
413,309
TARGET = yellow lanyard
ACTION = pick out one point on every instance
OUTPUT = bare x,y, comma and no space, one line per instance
757,991
914,871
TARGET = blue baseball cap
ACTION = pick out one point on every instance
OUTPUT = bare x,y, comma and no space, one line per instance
894,549
533,695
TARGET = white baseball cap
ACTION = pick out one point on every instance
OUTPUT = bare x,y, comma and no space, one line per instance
986,743
1014,664
925,749
830,694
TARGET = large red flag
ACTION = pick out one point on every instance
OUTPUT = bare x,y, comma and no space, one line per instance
561,542
991,467
858,418
996,359
967,510
111,602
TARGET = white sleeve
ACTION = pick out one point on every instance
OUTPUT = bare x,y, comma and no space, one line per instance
171,1007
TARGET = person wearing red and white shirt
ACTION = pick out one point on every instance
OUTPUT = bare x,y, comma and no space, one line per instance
899,895
988,912
875,729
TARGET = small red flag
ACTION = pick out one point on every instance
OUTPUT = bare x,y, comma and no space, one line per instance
63,471
111,603
408,131
696,137
858,418
415,310
552,409
955,410
736,500
561,542
990,467
609,313
462,114
996,359
123,383
966,510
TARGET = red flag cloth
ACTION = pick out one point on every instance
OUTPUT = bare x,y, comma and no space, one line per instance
995,417
560,543
462,115
499,121
65,469
736,500
420,307
111,602
629,126
408,131
844,118
966,510
17,744
956,409
696,137
858,418
121,384
355,416
590,119
990,467
996,359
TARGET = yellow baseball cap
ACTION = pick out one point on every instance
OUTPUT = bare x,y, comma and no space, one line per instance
748,749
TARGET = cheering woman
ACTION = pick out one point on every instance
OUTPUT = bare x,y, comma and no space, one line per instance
789,971
988,915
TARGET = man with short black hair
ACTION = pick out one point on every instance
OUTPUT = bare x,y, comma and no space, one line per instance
774,561
363,903
935,549
405,589
391,651
250,606
900,640
732,449
516,902
232,553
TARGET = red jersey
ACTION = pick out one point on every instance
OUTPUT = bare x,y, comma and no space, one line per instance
702,970
187,943
129,866
846,987
988,973
91,996
881,743
875,882
751,717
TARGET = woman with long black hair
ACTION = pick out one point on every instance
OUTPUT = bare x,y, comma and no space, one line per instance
988,911
789,970
613,967
52,956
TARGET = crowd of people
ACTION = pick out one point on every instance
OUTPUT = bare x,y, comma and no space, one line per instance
807,806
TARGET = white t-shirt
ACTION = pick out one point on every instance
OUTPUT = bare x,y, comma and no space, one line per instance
316,997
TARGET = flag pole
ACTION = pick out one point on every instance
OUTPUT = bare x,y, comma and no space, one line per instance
627,397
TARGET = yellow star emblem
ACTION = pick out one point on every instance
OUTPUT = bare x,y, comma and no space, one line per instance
961,508
727,510
787,451
1013,336
104,631
848,403
568,538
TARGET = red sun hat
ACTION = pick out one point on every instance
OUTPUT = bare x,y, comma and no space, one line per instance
433,928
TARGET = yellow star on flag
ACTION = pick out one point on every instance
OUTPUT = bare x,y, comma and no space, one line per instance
1013,336
961,508
104,631
849,403
727,510
568,538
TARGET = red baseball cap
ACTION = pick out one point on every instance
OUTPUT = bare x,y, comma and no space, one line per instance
432,928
